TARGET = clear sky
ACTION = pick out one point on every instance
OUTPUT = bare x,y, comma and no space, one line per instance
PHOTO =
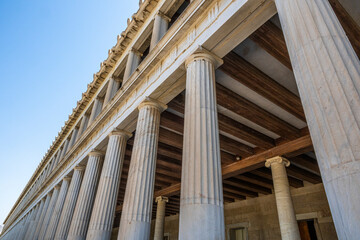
49,51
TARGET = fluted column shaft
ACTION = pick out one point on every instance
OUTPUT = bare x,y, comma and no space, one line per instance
42,216
161,23
201,202
19,228
111,90
49,212
23,224
32,227
132,63
160,217
80,221
63,151
137,208
103,213
327,73
69,205
57,159
54,221
83,125
286,213
30,219
73,138
98,103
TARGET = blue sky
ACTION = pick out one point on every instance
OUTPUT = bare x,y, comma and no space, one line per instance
49,51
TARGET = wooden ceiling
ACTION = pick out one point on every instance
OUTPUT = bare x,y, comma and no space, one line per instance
243,148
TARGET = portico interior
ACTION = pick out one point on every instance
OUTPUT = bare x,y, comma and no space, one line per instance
259,110
260,115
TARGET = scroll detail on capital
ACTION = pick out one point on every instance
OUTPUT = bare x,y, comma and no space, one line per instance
152,102
79,168
124,133
136,52
277,159
162,15
204,54
162,199
67,178
96,153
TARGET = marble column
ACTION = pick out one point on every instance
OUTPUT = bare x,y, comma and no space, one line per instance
19,227
70,203
113,87
327,73
98,103
23,226
49,212
54,221
201,202
42,216
63,151
29,221
32,227
137,207
80,221
160,217
161,23
83,125
132,63
287,219
103,213
57,159
73,138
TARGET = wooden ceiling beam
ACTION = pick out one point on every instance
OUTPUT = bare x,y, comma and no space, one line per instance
302,174
243,107
248,164
350,27
232,195
266,173
176,123
246,185
254,179
271,39
258,160
234,147
245,133
305,162
226,144
169,151
231,126
247,74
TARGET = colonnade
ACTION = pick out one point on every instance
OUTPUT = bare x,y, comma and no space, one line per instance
83,206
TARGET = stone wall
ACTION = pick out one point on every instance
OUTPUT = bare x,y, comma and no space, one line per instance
259,215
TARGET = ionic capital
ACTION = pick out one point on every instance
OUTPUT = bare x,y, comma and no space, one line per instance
154,103
57,187
278,160
203,54
120,132
162,199
136,52
67,178
79,168
96,153
162,15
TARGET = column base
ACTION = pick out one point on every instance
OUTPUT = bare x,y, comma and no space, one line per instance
98,234
133,230
201,221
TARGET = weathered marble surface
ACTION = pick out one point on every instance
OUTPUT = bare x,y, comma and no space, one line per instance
327,73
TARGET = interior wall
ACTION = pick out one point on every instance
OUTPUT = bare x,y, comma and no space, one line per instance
259,215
